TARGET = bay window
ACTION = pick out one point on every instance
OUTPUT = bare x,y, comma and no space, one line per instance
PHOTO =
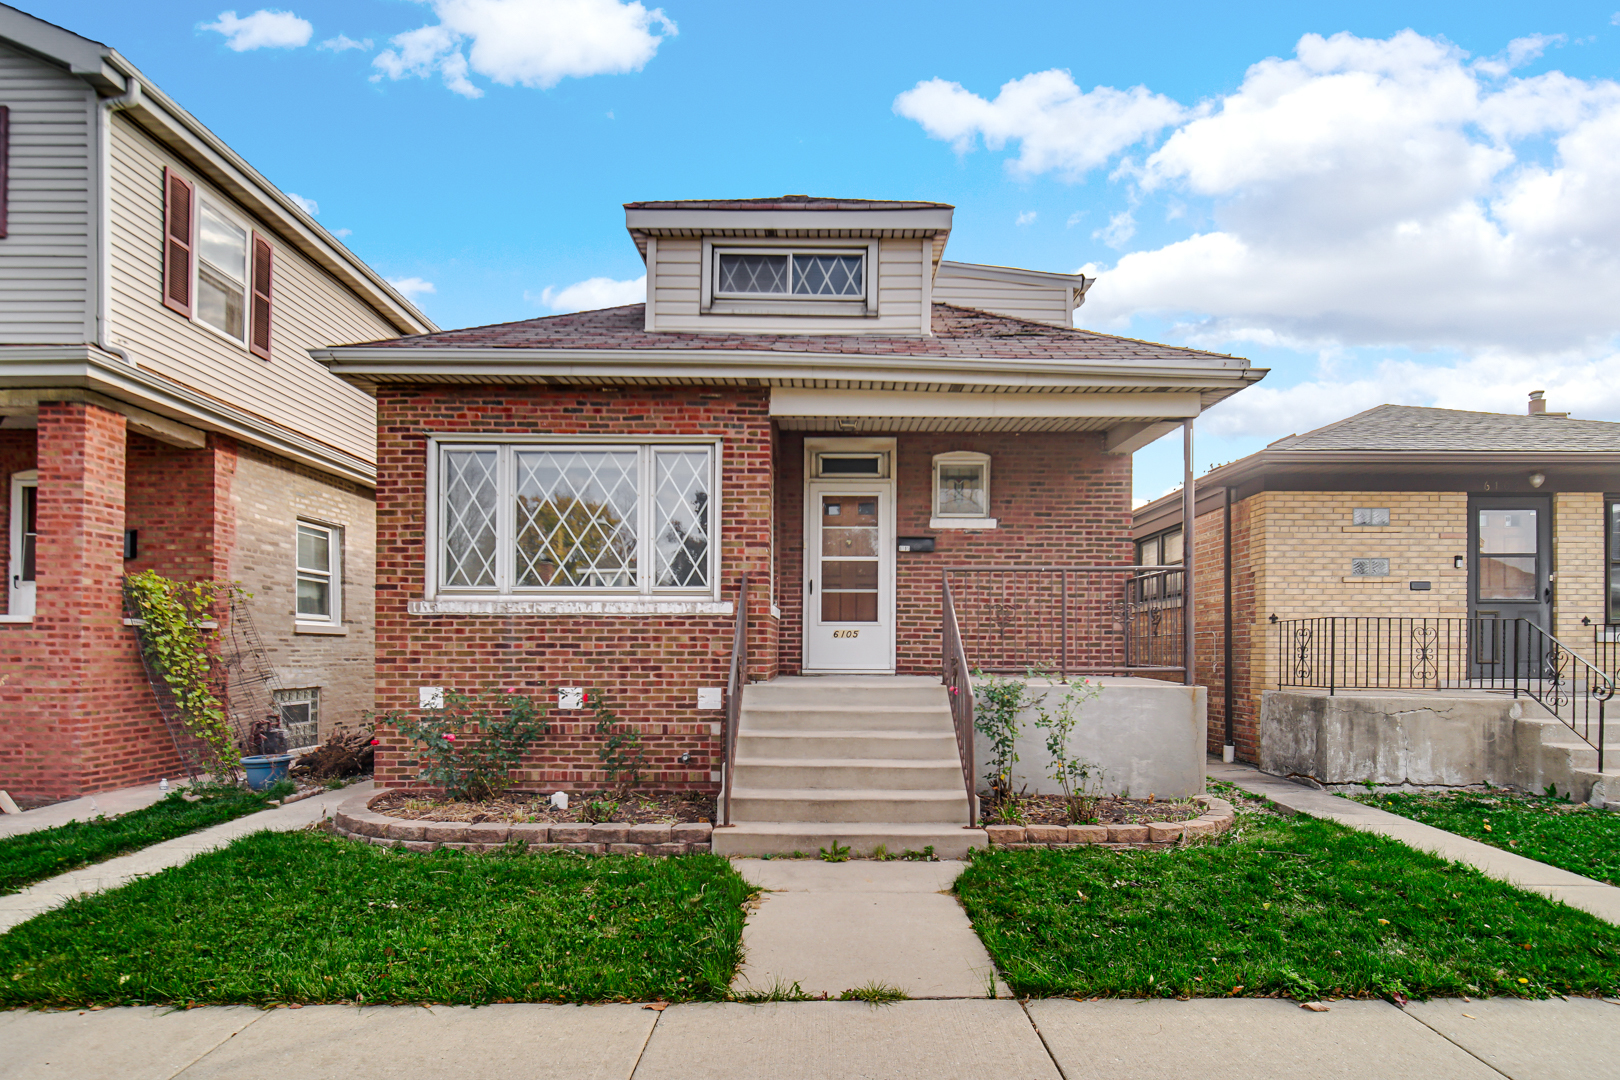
576,519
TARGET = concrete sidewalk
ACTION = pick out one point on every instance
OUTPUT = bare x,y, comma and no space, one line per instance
47,894
1596,897
111,803
831,927
1206,1039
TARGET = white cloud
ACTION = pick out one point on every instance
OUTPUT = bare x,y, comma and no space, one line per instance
1119,230
261,30
343,43
1075,218
592,293
1520,51
310,206
412,287
341,233
1056,124
533,43
1026,218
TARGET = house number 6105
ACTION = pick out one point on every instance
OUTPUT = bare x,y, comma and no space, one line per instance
846,633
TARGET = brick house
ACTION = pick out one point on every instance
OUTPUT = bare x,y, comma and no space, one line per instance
1402,521
159,410
811,396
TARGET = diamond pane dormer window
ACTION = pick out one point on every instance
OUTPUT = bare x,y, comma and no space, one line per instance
838,276
525,518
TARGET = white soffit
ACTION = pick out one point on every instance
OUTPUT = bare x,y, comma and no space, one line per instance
804,402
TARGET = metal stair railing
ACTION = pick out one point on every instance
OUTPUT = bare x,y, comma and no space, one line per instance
958,680
734,685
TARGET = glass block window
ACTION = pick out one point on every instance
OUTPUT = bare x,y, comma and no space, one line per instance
318,558
300,715
1369,515
1369,567
570,518
790,274
962,485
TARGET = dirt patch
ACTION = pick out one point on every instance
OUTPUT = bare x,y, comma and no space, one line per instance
517,807
1052,810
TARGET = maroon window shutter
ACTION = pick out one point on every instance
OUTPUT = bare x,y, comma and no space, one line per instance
5,170
263,260
178,199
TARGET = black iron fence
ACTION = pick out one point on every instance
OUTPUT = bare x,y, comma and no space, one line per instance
1070,620
1335,653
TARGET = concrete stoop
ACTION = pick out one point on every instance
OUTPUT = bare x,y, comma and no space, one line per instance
858,761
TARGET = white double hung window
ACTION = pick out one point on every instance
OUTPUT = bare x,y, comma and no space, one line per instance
319,577
222,247
576,519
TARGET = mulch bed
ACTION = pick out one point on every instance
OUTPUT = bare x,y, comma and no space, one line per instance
517,807
1052,810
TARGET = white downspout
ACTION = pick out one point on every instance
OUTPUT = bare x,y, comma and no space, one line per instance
130,98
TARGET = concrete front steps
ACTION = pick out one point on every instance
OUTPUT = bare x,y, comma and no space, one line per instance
1549,753
859,761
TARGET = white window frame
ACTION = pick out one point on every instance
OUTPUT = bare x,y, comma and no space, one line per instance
936,520
224,210
334,575
643,598
713,302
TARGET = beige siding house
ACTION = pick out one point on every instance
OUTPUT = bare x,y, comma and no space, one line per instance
159,409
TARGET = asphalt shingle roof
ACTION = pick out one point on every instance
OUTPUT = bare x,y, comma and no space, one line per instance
959,333
1408,427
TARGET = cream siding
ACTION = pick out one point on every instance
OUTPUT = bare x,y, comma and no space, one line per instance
311,310
45,261
677,270
1047,302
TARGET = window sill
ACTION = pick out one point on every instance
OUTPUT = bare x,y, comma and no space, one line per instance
329,629
206,624
961,523
20,619
508,606
844,308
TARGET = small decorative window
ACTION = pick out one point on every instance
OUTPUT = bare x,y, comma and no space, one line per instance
962,485
796,274
300,715
1369,567
852,464
627,519
318,578
1369,515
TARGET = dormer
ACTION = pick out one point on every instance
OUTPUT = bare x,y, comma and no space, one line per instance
790,265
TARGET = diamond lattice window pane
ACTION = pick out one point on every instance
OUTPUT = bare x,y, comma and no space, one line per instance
470,498
576,518
754,274
827,275
681,509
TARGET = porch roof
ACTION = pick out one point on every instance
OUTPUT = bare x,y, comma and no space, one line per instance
969,350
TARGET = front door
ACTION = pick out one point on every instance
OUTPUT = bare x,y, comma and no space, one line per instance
849,578
1509,573
24,541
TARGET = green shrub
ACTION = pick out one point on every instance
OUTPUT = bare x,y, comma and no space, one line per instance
468,746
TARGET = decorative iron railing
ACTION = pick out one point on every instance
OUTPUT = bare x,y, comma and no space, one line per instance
734,685
1070,620
958,680
1340,652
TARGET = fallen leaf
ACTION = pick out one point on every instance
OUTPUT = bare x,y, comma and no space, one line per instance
1313,1006
1524,980
1383,922
1471,1016
1487,827
1266,906
657,1006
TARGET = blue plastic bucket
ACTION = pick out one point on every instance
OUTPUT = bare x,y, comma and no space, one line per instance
265,769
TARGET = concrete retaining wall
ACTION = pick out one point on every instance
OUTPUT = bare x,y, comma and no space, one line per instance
1148,736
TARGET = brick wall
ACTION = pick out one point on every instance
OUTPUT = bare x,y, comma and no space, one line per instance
268,497
16,455
1579,555
1057,497
650,666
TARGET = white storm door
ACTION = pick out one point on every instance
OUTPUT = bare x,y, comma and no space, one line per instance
849,578
24,538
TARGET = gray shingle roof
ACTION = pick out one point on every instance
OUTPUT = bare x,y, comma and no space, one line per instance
1408,427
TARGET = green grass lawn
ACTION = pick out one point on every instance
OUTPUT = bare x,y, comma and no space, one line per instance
305,917
1279,906
35,856
1579,839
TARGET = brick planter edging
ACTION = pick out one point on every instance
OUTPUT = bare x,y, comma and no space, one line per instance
356,820
1216,818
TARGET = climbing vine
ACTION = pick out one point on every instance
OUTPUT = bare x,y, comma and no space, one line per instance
182,651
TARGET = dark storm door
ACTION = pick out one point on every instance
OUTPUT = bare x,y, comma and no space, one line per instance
1509,562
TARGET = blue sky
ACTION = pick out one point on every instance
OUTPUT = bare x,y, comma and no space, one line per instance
1424,208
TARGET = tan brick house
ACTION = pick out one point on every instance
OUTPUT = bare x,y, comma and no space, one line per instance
159,410
572,502
1404,518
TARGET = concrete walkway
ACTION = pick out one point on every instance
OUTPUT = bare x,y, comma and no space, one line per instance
47,894
110,803
1220,1039
1592,896
831,927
